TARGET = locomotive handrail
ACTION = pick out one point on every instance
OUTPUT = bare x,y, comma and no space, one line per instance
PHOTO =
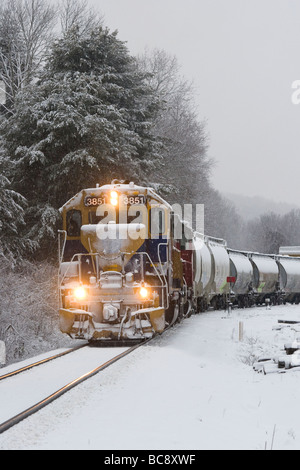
160,262
163,286
61,252
60,258
78,255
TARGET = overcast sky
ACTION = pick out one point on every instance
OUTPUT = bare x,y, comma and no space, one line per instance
243,56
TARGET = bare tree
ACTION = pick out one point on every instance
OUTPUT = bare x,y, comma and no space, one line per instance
78,13
26,29
179,126
164,72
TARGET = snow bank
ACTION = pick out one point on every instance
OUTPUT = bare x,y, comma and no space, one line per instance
192,388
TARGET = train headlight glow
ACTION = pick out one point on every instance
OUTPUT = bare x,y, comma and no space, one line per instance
80,293
144,292
114,198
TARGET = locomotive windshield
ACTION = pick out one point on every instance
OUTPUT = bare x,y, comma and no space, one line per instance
74,222
95,218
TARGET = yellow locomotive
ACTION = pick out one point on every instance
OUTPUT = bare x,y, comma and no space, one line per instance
121,274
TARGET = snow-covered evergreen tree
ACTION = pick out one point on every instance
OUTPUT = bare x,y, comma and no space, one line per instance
13,246
88,120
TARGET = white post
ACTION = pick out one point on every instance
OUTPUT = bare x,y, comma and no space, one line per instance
241,331
2,353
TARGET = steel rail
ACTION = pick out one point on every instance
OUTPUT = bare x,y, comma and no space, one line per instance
42,361
46,401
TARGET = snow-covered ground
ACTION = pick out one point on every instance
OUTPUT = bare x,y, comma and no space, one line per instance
192,388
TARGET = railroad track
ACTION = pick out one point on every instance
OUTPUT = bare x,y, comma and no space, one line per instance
42,361
9,423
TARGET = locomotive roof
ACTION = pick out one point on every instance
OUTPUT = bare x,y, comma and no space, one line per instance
118,186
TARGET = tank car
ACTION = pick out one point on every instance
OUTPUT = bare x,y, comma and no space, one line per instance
289,278
241,274
211,272
265,277
121,270
219,285
203,273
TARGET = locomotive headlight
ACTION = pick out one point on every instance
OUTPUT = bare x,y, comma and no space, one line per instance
80,293
144,292
114,198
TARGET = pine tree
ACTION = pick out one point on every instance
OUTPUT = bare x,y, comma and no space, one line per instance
13,246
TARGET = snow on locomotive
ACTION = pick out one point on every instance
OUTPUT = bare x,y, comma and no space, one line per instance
129,267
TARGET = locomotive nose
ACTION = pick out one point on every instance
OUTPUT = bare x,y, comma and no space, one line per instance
110,240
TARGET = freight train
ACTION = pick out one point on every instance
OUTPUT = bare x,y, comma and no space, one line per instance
129,267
